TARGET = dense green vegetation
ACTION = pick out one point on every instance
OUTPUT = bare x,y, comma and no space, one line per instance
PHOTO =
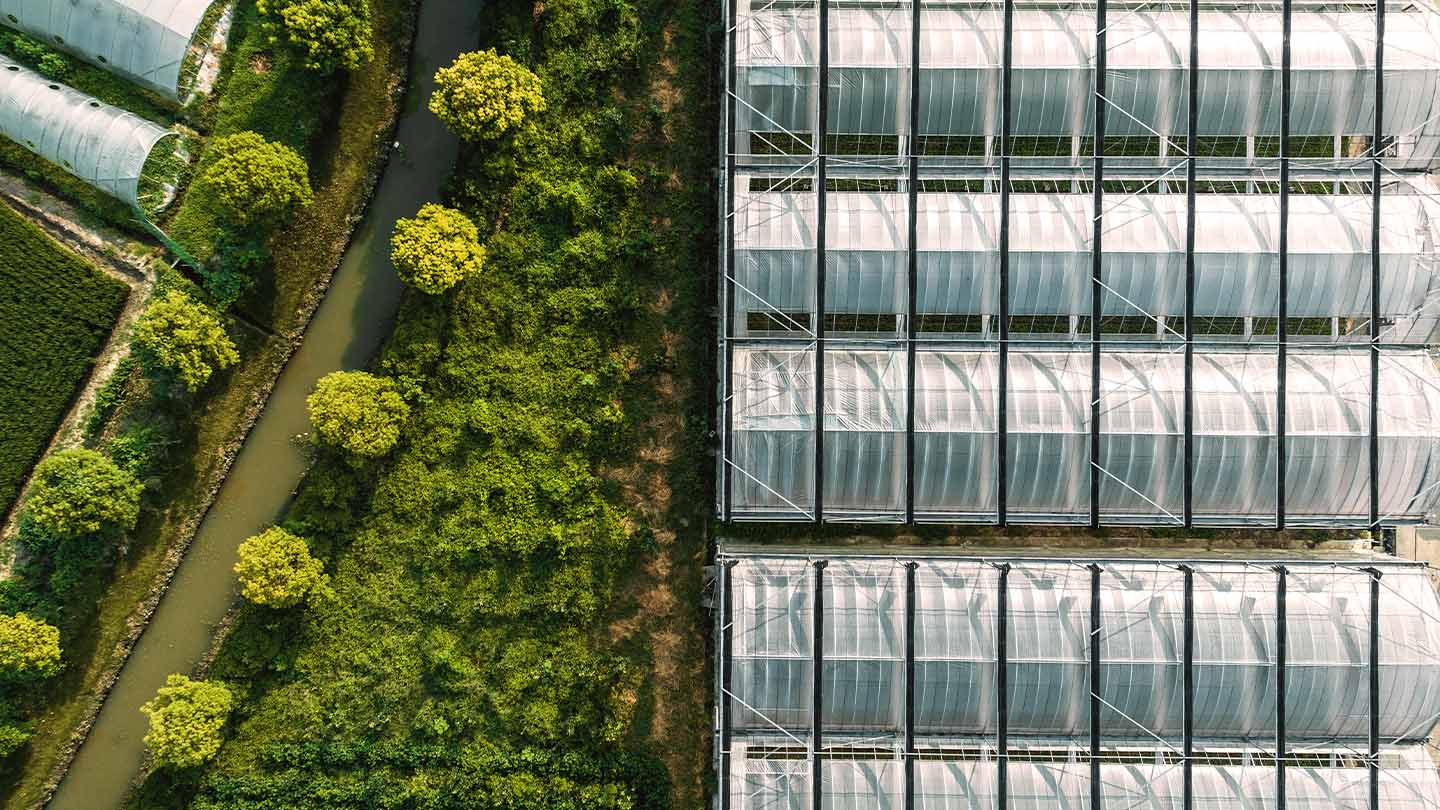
496,545
57,312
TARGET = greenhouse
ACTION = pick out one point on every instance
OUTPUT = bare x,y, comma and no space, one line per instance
1100,263
113,150
145,41
106,147
1147,679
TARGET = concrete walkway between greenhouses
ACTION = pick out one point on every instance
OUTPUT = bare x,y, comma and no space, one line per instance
345,333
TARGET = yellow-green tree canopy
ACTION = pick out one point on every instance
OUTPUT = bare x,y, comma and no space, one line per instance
29,649
276,569
333,34
484,95
186,721
255,181
180,335
358,411
437,249
80,491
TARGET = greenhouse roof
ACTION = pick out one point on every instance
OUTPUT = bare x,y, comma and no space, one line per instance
145,41
102,145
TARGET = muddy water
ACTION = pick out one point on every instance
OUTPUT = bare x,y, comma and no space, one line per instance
346,331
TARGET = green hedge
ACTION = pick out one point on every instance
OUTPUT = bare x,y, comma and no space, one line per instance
57,312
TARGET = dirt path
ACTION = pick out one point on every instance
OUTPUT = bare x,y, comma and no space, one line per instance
116,255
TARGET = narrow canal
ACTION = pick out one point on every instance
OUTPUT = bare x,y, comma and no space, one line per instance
345,333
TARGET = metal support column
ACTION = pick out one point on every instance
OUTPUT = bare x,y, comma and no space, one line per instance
822,124
912,259
727,639
1097,792
1002,407
727,286
1373,749
1282,326
910,685
1281,634
1191,147
1188,706
1377,152
1097,219
817,682
1002,690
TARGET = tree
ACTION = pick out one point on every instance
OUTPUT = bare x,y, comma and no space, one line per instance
483,95
186,721
276,569
29,649
183,336
255,181
80,491
357,411
437,249
333,34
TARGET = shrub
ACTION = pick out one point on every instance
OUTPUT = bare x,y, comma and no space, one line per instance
357,411
333,34
257,182
181,336
80,491
484,96
437,249
29,649
276,569
186,721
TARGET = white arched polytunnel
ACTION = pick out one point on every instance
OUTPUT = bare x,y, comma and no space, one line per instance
777,58
105,146
904,652
1143,265
145,41
1141,462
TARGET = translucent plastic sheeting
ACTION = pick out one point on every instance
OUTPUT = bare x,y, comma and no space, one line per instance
1332,52
1141,634
956,399
876,784
102,145
144,41
1236,257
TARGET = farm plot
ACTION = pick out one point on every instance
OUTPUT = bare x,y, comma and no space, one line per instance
55,313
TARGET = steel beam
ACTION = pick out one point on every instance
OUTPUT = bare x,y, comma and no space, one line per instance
1002,407
1191,147
817,683
912,259
1097,221
1281,634
1282,327
1373,748
910,685
1376,158
821,128
1097,792
1188,706
727,639
726,285
1002,690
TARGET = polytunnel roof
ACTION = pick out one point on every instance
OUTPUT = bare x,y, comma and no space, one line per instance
875,784
771,604
105,146
144,41
955,37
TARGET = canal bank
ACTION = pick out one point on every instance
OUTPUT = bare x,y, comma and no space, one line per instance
347,329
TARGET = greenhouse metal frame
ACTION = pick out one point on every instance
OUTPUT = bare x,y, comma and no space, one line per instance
104,146
930,107
947,681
